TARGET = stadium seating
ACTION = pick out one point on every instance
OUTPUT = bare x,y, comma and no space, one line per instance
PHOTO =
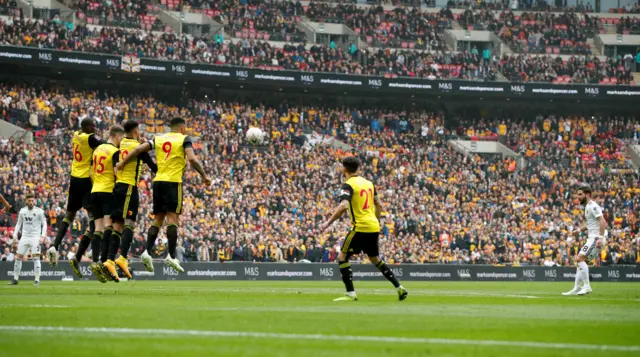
440,203
397,28
131,14
547,32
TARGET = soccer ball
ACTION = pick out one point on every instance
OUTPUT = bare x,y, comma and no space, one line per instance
255,136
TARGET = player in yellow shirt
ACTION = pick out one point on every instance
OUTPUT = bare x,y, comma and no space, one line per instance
358,196
125,209
173,149
105,157
84,142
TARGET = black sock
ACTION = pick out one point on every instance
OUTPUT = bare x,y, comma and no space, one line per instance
106,239
151,237
172,237
347,275
95,246
384,269
62,231
114,245
85,241
127,237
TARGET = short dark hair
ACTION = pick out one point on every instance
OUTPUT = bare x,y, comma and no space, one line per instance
29,195
176,121
584,187
350,164
87,123
115,130
129,126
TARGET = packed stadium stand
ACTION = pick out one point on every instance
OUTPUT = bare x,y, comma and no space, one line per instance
440,204
443,204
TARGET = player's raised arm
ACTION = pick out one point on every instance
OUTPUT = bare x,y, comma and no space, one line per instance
193,160
94,142
345,198
142,148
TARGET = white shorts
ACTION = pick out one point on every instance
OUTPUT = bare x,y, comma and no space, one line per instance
590,250
29,244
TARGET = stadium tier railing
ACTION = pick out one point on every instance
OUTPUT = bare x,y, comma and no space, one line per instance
131,65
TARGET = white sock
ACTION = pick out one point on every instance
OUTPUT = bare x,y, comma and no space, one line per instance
351,293
37,268
585,274
17,267
578,283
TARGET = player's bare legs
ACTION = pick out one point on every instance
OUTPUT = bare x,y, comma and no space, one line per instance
172,237
152,235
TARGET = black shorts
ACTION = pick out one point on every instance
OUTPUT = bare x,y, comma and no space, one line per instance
79,194
125,202
167,197
101,204
358,242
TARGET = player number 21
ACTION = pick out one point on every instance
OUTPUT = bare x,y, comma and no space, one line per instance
367,193
166,148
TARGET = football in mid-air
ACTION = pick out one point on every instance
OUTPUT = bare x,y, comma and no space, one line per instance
255,136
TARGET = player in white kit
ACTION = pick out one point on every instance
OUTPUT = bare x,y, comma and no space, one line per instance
596,228
33,225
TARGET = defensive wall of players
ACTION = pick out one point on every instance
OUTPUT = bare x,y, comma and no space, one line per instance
310,272
315,80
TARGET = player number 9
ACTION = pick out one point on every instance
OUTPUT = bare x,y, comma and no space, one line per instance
166,148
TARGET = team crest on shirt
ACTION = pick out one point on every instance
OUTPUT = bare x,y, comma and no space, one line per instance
344,193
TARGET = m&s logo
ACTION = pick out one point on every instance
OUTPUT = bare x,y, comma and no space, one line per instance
592,91
445,86
242,74
518,89
113,63
375,83
307,78
46,57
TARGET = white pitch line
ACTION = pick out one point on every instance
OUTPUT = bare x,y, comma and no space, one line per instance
34,306
319,337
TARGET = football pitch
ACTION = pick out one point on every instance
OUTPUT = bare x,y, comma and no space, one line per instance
251,318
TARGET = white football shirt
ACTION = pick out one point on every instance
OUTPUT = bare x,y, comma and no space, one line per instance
32,223
593,212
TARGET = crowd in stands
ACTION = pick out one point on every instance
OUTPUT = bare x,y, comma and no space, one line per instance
441,206
628,26
585,70
387,28
117,13
547,32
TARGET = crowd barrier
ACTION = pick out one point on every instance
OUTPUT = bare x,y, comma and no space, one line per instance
315,271
320,80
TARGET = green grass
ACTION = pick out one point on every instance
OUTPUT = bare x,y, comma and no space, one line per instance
456,312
